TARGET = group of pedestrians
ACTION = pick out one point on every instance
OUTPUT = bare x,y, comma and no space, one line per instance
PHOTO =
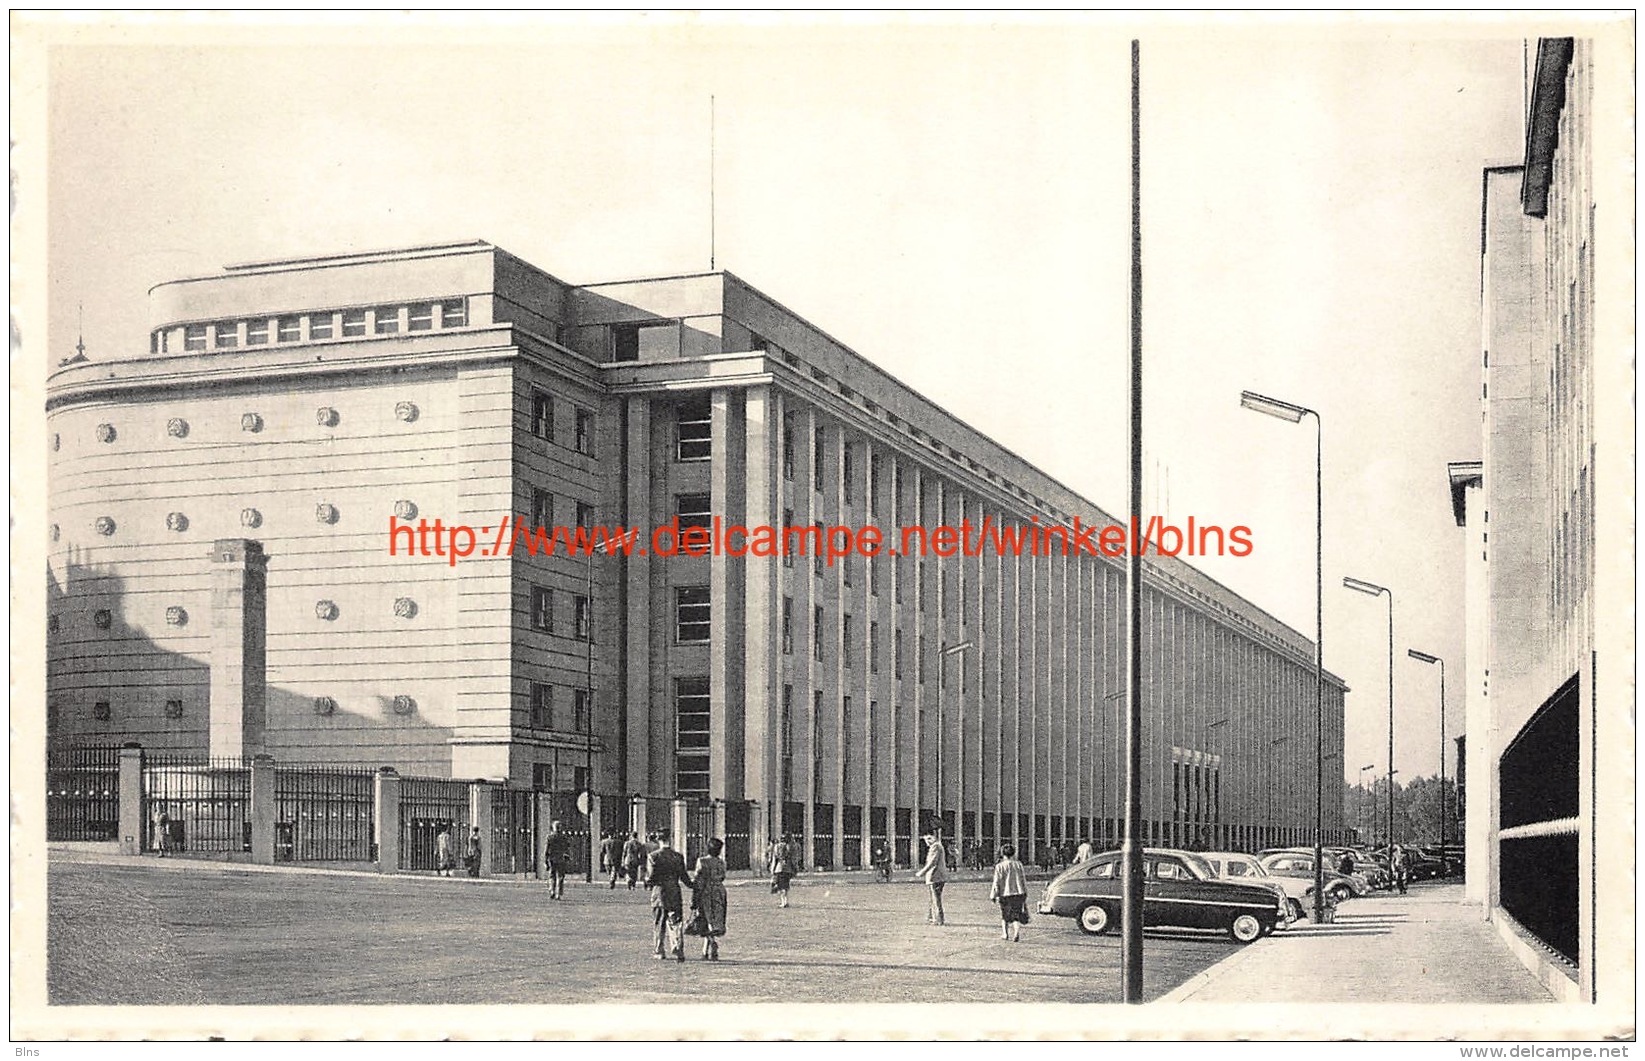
654,864
445,853
1009,888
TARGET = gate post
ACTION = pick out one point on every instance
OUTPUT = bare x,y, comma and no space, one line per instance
677,825
542,813
131,798
758,830
262,810
479,815
636,815
386,823
719,820
594,821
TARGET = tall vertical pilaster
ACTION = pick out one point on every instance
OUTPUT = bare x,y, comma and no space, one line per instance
239,636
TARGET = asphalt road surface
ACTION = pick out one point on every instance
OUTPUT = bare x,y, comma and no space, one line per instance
148,934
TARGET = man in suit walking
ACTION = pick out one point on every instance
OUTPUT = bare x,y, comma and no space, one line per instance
935,874
665,875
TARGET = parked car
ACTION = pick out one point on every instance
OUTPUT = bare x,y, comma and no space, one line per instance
1293,864
1236,866
1180,889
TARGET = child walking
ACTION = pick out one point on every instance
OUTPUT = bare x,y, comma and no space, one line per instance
1010,890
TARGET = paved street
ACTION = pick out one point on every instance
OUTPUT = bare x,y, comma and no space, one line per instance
128,931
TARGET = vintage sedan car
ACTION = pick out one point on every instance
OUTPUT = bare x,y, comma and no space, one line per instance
1246,869
1179,890
1290,864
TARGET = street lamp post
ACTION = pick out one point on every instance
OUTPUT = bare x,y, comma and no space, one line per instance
1367,766
1215,815
1294,414
1372,589
1425,658
942,729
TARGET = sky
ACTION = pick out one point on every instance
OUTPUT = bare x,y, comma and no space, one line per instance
947,196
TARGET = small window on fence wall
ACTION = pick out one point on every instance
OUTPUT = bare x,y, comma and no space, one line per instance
691,737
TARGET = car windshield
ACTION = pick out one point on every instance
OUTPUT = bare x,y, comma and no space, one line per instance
1200,868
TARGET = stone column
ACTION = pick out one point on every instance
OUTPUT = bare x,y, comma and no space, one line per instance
386,823
677,826
758,831
239,628
479,815
131,799
636,815
263,811
635,774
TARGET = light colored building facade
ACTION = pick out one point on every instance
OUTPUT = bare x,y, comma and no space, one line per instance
1534,720
221,509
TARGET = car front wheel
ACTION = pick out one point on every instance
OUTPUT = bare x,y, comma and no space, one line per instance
1245,928
1341,892
1095,919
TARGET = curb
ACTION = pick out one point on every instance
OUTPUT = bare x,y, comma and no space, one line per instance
1183,991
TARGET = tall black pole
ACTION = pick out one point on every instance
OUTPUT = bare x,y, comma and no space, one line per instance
1131,904
1442,854
1390,723
1319,670
588,702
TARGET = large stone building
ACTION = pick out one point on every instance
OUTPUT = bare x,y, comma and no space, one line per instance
1533,805
222,575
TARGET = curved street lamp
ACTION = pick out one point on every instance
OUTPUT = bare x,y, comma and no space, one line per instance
1372,589
1425,658
1261,403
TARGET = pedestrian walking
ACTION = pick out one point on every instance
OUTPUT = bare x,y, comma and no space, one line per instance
1010,890
935,875
708,898
633,859
1401,867
882,861
770,856
162,831
665,875
557,854
445,857
611,857
471,853
782,870
1085,851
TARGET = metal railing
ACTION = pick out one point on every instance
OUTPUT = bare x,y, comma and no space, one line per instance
323,814
428,806
83,794
204,803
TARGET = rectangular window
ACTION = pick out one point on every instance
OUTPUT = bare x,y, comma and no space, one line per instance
319,326
387,320
896,589
542,705
354,323
896,494
582,611
582,702
101,711
788,626
625,342
585,516
693,439
875,470
693,510
817,632
896,652
873,576
919,662
454,313
420,317
228,334
847,466
649,342
845,569
542,777
542,415
542,508
257,332
194,337
542,609
846,640
816,736
288,329
786,776
788,450
874,647
691,737
817,558
691,614
585,432
819,446
845,729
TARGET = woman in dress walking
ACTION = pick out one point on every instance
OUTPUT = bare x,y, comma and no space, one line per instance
782,870
1010,890
708,897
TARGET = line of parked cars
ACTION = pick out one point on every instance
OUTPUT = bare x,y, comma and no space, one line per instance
1247,896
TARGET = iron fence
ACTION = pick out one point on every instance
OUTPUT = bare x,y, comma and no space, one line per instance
512,811
196,804
738,818
429,806
324,814
83,794
699,828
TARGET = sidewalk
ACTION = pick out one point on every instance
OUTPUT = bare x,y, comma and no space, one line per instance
1423,947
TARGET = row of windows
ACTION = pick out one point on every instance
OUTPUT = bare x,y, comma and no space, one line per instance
542,510
353,323
543,715
847,626
542,423
543,613
848,464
